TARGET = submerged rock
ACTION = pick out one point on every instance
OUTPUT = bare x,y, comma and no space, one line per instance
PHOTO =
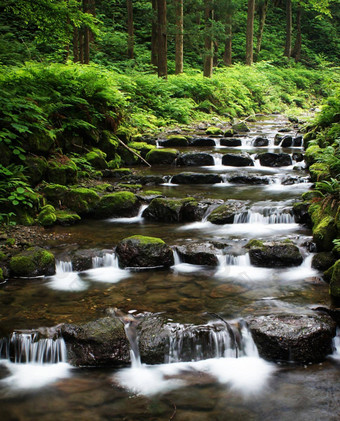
260,142
249,179
298,338
225,214
196,178
174,210
287,141
231,142
237,160
35,261
195,159
275,255
202,141
198,254
139,251
269,159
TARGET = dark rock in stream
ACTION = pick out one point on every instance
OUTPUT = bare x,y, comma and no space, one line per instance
237,160
231,142
196,178
287,141
300,210
260,142
323,261
275,255
297,141
294,338
249,179
202,141
174,210
195,159
144,252
198,254
225,214
269,159
32,262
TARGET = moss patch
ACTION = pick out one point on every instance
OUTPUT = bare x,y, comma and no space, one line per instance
162,156
62,170
117,204
34,261
145,240
67,218
81,200
334,286
324,233
47,216
213,131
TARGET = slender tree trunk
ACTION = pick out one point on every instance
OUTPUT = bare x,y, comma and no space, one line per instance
86,35
179,37
162,39
154,35
289,24
81,45
296,53
228,42
75,44
130,29
250,32
262,20
208,43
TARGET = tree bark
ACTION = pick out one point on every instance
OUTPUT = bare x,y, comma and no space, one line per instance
262,20
81,45
208,43
154,35
227,59
130,28
75,44
250,32
296,53
289,24
179,37
86,35
162,39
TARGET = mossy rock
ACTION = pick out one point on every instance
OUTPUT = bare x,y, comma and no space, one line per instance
32,262
144,252
254,244
23,217
103,187
81,200
127,157
162,156
125,133
115,162
275,255
308,137
142,147
214,131
130,187
324,233
5,155
323,261
311,194
229,133
39,143
225,214
66,218
35,169
319,172
2,278
123,203
55,193
62,171
121,173
334,285
172,210
97,159
312,153
47,216
109,144
240,127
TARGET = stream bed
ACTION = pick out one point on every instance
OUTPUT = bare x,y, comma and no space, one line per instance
220,388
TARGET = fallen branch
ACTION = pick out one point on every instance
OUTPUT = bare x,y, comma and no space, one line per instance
174,413
134,152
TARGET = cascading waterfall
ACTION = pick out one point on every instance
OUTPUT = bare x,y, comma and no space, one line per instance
131,220
217,160
65,278
108,260
28,348
268,216
336,345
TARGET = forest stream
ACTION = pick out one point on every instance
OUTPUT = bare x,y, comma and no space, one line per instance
230,381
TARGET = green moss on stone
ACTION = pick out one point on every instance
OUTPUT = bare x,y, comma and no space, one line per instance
22,265
1,275
35,168
214,131
229,133
122,203
319,171
81,200
67,218
312,194
62,171
115,163
254,244
47,216
324,233
334,286
177,140
145,240
241,127
96,158
312,153
162,156
10,242
34,261
130,186
141,147
55,193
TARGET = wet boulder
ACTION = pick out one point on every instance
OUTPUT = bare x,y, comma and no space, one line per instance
99,343
174,210
275,255
202,141
198,254
196,178
81,200
277,139
214,131
269,159
323,261
61,170
297,156
289,337
175,140
161,156
249,179
301,215
240,127
195,159
225,214
237,160
139,251
35,261
260,142
334,285
119,204
287,141
297,141
231,142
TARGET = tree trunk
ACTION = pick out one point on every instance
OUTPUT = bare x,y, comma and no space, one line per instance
86,35
154,35
179,37
75,44
162,39
130,28
289,23
250,32
262,20
296,53
228,41
208,43
81,45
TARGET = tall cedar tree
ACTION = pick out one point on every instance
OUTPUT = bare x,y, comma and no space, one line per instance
130,28
289,24
262,12
208,43
154,34
179,37
250,32
162,39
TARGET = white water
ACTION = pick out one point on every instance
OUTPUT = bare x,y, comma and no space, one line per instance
336,346
106,269
36,362
247,375
133,220
272,217
181,267
65,279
